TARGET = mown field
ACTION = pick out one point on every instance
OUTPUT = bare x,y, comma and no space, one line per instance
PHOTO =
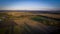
28,23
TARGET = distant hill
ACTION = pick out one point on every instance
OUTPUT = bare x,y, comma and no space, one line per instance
50,12
32,11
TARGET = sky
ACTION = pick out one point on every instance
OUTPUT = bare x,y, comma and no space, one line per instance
29,4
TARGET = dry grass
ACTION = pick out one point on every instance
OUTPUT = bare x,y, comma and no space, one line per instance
26,19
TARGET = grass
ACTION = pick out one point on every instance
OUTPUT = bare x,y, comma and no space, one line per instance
45,21
3,30
20,29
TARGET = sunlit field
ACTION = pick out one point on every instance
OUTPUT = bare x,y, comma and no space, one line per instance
28,23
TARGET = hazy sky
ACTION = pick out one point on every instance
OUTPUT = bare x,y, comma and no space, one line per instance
29,4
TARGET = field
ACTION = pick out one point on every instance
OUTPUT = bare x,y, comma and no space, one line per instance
28,23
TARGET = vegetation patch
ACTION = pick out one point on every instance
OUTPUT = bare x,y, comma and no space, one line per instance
45,20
